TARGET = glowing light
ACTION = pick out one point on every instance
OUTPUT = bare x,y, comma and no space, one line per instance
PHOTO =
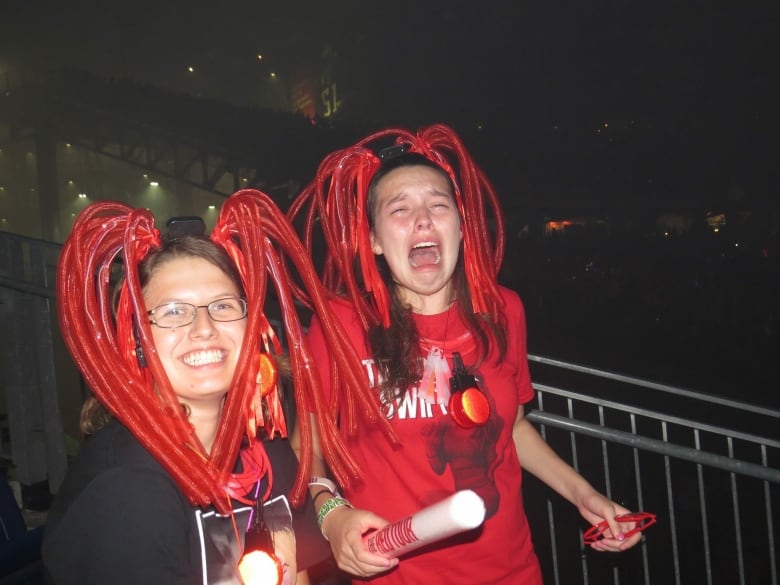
70,182
212,207
191,69
154,184
259,57
273,74
258,567
82,195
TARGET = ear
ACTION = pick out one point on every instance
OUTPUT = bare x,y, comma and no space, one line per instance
375,247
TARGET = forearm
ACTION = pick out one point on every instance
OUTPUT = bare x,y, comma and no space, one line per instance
538,458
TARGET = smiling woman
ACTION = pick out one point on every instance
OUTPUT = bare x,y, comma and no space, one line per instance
186,449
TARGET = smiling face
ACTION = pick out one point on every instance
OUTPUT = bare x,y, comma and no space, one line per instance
416,227
198,358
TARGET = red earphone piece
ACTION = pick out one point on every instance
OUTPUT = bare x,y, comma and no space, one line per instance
468,405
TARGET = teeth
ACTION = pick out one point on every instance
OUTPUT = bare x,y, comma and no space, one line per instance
424,245
202,358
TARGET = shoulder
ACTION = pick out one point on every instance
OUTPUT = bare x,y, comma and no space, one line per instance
111,467
343,311
513,305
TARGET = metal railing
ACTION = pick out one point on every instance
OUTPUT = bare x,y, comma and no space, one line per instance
677,453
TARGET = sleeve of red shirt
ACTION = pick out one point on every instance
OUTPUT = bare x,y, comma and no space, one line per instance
516,344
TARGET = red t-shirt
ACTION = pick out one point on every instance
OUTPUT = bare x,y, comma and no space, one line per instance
437,457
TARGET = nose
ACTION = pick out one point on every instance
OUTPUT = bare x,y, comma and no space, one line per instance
422,219
203,325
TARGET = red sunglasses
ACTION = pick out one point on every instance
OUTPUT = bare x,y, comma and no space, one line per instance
644,520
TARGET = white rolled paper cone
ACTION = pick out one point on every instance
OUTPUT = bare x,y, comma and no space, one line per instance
459,512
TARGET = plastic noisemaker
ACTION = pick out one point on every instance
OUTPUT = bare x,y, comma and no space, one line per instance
468,405
644,520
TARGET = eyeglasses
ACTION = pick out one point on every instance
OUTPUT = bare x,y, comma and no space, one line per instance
643,520
173,315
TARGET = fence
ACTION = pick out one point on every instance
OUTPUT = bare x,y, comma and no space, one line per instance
715,488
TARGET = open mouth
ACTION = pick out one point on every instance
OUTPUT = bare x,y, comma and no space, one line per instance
203,358
425,254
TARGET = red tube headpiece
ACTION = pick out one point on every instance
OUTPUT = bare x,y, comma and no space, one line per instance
337,198
257,236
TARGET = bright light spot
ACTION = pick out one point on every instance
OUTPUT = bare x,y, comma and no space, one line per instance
82,195
273,74
716,230
146,176
736,244
244,180
259,57
67,145
70,181
154,184
259,567
2,188
191,69
4,220
606,125
666,233
212,207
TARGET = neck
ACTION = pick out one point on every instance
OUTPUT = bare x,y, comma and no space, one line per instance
431,304
205,420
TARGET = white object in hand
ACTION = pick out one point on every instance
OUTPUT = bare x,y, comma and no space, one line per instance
459,512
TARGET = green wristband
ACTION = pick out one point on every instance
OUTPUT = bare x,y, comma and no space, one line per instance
330,505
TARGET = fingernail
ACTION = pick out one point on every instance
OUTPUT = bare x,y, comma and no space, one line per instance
620,536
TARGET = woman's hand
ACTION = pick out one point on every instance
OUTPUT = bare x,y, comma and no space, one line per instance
344,528
595,507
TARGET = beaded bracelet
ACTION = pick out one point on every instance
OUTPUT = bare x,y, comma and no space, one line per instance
328,507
